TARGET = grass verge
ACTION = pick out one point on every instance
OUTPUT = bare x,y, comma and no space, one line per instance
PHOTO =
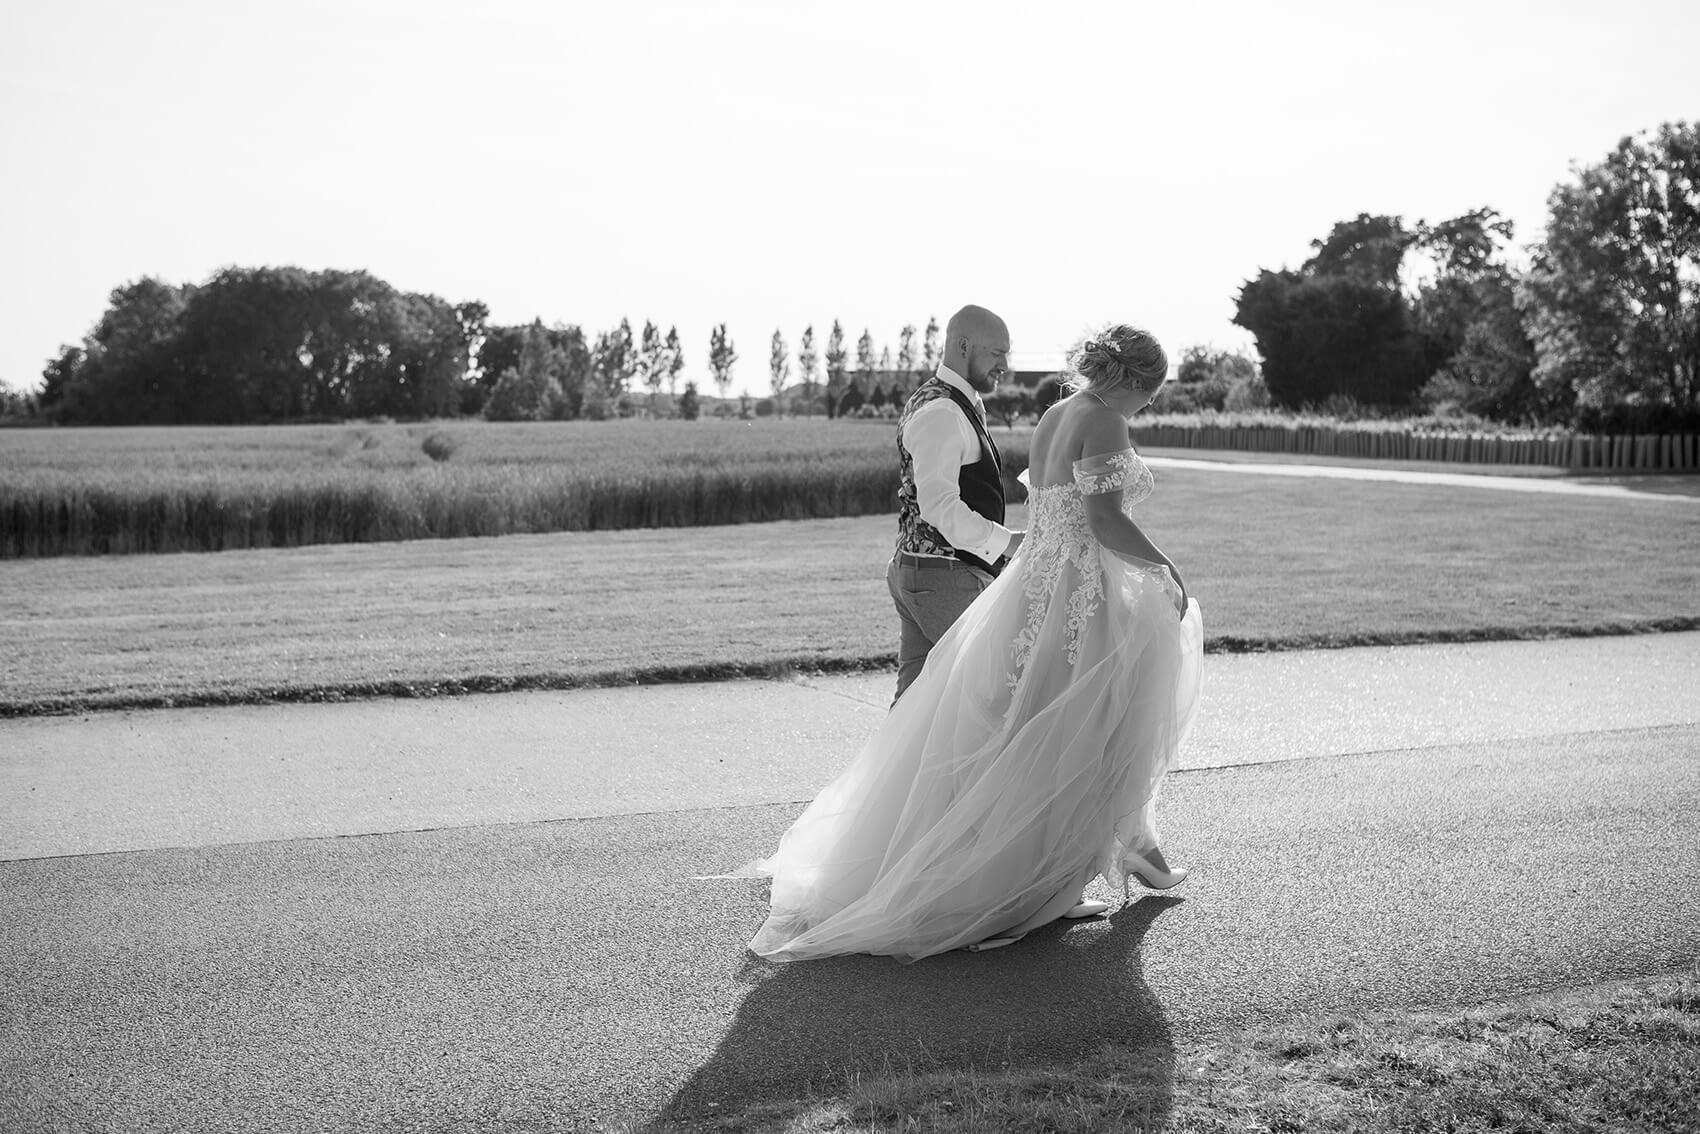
1276,564
1622,1057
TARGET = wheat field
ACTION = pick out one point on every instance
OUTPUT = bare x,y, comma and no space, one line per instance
134,490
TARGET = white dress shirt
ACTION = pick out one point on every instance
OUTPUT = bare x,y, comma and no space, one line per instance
940,441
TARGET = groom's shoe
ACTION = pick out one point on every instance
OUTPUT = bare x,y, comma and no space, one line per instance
1151,875
1087,909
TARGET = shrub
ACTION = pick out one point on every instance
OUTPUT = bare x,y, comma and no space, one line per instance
439,446
521,397
1247,394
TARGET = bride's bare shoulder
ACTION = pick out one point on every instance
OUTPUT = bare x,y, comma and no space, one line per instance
1084,427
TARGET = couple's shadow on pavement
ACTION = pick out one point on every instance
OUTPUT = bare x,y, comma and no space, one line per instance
1059,995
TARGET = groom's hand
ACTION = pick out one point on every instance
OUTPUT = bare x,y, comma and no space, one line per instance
1014,544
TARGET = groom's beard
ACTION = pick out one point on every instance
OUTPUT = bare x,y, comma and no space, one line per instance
987,382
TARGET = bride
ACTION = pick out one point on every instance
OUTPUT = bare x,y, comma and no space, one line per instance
1025,760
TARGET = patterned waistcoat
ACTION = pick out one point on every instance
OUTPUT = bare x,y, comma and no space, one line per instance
981,483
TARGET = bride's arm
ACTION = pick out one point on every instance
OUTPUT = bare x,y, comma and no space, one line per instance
1112,528
1106,432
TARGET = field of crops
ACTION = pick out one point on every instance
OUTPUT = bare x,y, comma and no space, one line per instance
111,491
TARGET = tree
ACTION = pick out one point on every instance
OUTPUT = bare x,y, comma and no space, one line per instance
603,359
1370,249
1473,341
577,367
474,319
530,391
690,403
129,368
498,353
779,366
652,362
1206,378
675,359
1047,393
614,362
1009,401
59,382
17,403
721,356
1328,337
428,359
1612,298
905,363
807,361
865,364
836,375
1339,327
266,344
931,355
906,347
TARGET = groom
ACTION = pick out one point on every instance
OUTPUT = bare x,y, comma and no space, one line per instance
951,538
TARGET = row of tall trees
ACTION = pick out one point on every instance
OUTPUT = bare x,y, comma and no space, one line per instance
876,379
1602,328
540,373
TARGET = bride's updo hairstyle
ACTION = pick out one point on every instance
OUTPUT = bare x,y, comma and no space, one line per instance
1118,357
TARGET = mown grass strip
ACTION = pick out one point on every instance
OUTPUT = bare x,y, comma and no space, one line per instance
1623,1056
1276,563
776,669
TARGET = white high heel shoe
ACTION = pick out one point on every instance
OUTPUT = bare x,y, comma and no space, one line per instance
1150,875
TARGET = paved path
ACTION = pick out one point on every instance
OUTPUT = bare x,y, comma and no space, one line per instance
1554,485
128,781
1371,828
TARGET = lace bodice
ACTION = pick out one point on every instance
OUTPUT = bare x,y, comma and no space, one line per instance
1059,537
1056,514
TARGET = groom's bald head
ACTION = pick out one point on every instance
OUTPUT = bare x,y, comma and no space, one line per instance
976,346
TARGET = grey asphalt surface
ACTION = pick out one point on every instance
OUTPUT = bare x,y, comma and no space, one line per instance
224,919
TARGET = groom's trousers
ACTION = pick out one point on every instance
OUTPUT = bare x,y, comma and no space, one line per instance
931,592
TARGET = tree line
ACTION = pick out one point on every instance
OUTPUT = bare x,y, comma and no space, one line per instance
275,344
538,372
1600,330
264,344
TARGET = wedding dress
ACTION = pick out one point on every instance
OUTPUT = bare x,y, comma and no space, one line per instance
1022,763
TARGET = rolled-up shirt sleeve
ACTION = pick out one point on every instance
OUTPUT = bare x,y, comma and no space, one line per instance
940,441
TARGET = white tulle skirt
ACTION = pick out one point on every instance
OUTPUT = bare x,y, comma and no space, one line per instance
1005,779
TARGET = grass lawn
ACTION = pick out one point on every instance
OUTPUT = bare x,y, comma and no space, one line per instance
1276,563
1620,1057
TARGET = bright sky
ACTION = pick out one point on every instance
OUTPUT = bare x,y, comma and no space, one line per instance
775,163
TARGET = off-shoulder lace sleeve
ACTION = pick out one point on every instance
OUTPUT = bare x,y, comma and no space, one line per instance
1106,472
